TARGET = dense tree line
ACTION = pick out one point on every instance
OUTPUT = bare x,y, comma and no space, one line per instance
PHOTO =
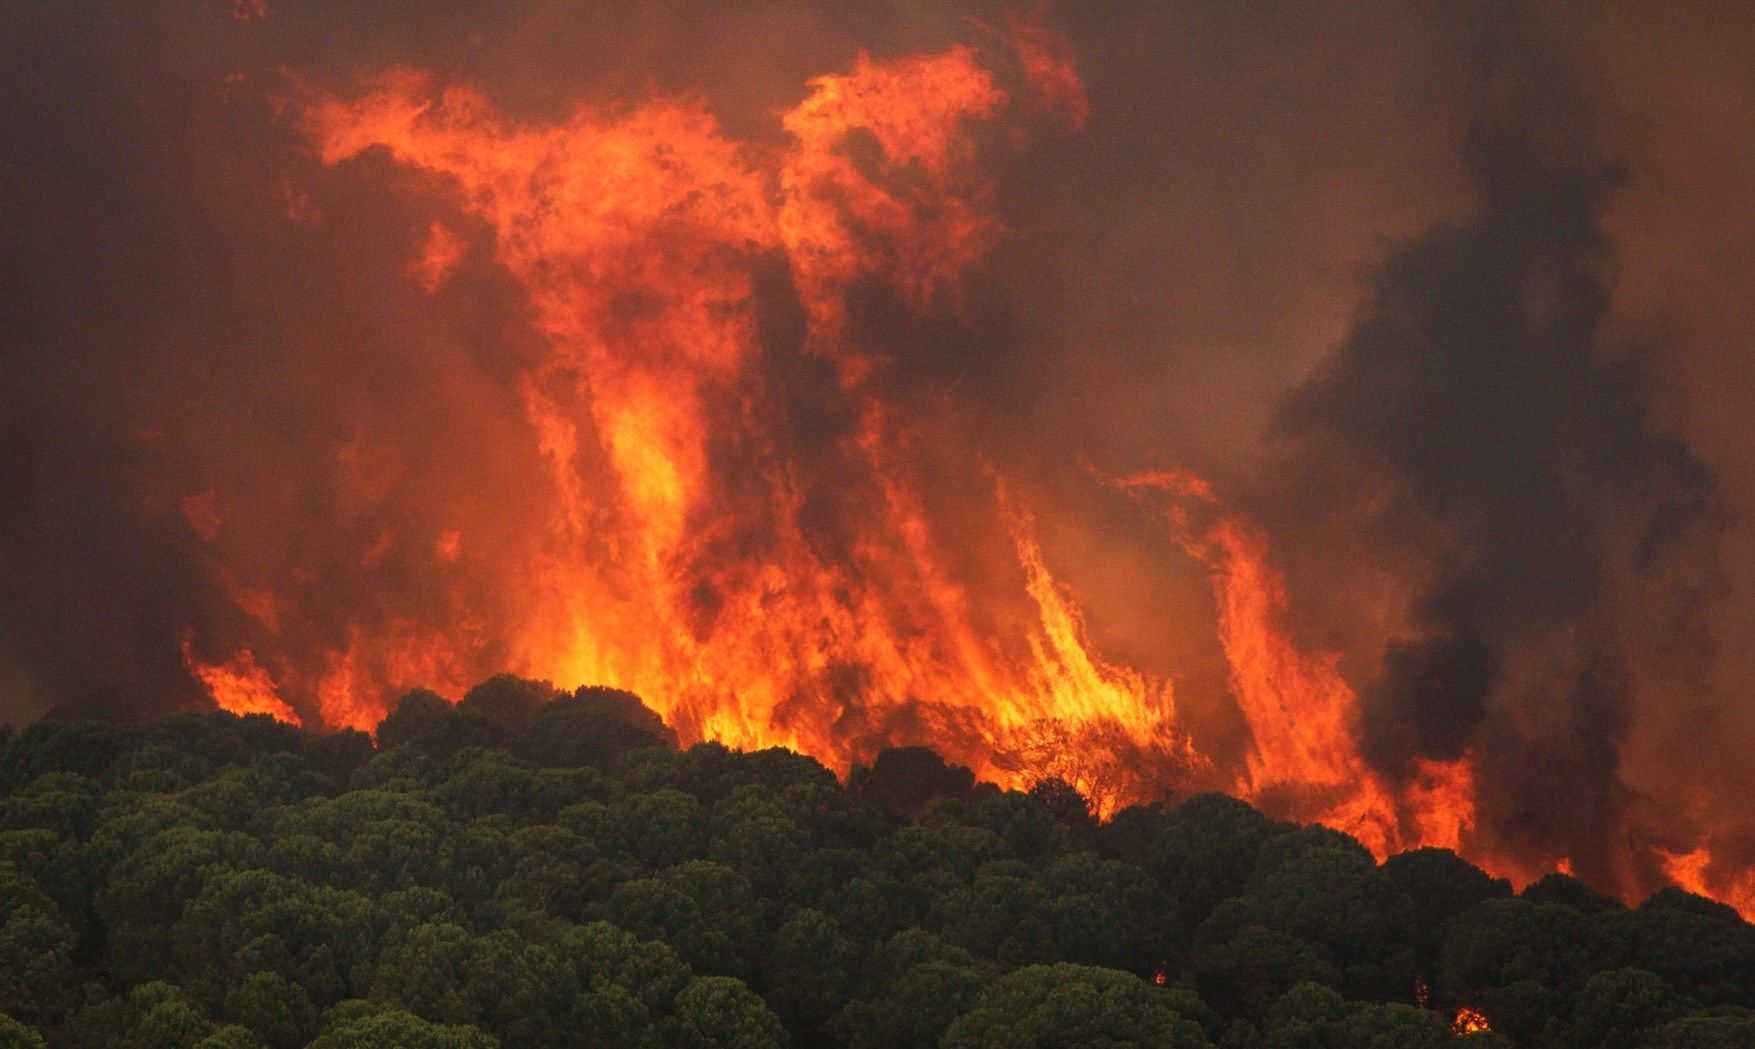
526,869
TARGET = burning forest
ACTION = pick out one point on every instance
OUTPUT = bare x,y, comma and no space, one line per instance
1141,403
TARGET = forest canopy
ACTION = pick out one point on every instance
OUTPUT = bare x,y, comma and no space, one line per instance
529,868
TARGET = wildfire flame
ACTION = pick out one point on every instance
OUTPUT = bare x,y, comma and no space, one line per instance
678,550
637,234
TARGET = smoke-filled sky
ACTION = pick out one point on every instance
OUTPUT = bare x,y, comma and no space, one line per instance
1451,299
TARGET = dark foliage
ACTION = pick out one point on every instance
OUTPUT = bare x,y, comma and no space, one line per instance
530,868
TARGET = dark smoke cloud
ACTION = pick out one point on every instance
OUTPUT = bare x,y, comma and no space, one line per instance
1515,449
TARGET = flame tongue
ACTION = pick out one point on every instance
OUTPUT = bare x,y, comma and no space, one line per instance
1299,709
1692,871
239,684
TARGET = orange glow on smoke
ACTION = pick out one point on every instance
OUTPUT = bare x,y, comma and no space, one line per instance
438,258
1048,65
201,511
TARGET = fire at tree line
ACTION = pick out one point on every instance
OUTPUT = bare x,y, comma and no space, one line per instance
531,868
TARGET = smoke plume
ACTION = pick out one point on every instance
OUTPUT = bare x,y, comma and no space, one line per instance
1513,448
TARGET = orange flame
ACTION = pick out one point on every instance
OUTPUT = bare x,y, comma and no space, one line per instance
1693,872
838,224
671,549
636,234
1299,709
238,685
1469,1020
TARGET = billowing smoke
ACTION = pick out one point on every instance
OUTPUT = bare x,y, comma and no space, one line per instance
1507,442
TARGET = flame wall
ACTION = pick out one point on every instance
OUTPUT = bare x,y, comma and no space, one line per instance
829,379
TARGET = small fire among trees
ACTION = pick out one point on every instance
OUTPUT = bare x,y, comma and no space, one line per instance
1469,1020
